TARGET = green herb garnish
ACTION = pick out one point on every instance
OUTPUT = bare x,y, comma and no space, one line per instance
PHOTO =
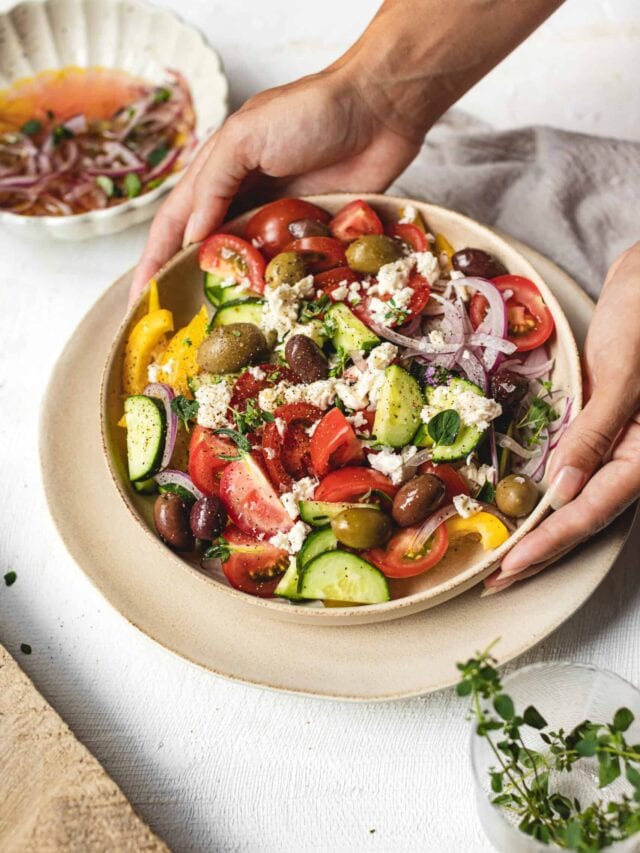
537,418
10,578
251,418
132,185
155,157
342,358
444,427
106,184
185,409
161,95
487,493
311,310
520,777
242,443
187,342
31,127
61,132
219,550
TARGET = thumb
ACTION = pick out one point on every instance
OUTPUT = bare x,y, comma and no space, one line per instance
585,445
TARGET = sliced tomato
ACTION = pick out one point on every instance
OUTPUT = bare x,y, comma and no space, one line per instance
350,484
231,257
320,253
268,228
251,501
530,321
395,560
419,299
410,234
288,457
205,464
454,483
330,279
253,566
247,387
354,220
334,444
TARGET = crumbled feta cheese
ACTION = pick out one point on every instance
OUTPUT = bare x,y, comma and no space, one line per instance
379,311
409,215
427,265
394,464
301,490
293,540
382,356
153,371
310,430
519,480
358,420
474,409
354,293
340,292
213,403
465,506
281,426
282,305
269,452
454,275
478,475
257,373
394,276
364,392
321,393
402,297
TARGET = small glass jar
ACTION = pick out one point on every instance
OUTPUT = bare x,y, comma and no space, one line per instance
565,694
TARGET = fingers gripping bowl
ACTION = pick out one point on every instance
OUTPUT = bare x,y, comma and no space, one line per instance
392,499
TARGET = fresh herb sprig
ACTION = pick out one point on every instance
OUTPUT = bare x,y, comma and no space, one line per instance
520,778
444,427
312,310
339,362
252,418
218,550
185,409
538,416
241,442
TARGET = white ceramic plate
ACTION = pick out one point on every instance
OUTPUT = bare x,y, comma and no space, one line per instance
195,620
466,563
129,35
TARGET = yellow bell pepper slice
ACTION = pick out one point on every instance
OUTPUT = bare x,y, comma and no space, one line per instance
178,361
491,531
145,337
441,244
413,216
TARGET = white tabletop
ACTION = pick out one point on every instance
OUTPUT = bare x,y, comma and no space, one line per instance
209,764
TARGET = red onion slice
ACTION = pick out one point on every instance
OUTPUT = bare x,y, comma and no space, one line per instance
512,445
471,365
165,394
429,527
171,477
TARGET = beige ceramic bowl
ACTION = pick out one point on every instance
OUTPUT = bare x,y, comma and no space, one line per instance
180,287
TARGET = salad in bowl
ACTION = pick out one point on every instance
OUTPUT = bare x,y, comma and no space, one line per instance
360,410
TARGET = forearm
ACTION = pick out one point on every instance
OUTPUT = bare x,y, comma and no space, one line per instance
418,57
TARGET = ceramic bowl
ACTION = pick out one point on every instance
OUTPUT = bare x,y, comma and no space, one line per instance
124,34
466,564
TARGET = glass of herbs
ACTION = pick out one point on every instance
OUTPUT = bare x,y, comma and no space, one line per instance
555,750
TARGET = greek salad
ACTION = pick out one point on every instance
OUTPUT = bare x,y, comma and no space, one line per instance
354,396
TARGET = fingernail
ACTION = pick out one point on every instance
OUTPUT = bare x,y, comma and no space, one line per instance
194,226
566,486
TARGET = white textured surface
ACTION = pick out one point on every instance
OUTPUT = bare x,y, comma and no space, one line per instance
212,765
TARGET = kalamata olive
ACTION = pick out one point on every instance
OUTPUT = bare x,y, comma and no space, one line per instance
362,527
285,268
230,348
171,518
208,517
372,251
516,495
306,359
416,499
508,388
478,262
308,228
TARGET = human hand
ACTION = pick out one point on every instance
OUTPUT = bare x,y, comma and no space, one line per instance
595,470
315,135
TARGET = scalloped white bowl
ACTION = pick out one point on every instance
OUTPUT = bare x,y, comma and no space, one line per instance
129,35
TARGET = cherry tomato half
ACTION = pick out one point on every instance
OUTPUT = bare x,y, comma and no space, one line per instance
288,457
530,321
354,220
394,560
247,387
231,257
251,501
205,464
253,566
319,253
410,234
334,444
268,228
350,484
454,483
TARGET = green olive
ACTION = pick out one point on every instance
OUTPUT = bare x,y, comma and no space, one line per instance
362,527
230,348
285,268
367,254
516,495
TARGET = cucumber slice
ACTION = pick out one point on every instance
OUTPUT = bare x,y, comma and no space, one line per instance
185,495
219,293
320,513
146,432
342,576
317,542
146,487
468,437
399,407
240,311
288,586
347,331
